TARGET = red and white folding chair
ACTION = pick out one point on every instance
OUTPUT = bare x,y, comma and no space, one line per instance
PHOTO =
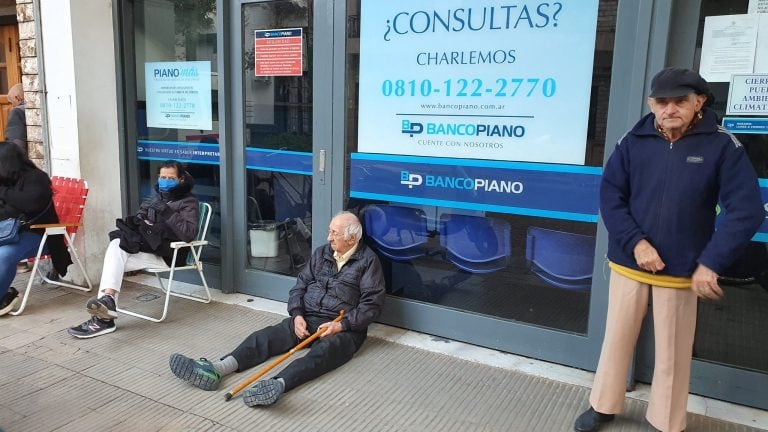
69,196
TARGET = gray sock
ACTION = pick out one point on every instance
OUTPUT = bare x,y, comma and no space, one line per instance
225,366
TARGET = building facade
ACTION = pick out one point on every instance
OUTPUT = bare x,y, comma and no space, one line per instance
469,139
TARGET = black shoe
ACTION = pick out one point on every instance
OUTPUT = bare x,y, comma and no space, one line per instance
53,275
92,328
591,420
102,307
263,393
9,301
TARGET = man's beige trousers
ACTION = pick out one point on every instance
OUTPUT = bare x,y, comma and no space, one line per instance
674,322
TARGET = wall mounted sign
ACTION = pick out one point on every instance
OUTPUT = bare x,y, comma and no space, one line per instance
483,80
746,125
748,95
179,95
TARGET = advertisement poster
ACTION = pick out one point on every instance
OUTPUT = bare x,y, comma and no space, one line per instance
494,80
179,95
278,52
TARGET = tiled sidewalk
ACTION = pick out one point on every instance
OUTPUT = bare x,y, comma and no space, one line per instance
50,381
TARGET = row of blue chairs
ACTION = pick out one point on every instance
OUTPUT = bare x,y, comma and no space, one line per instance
478,244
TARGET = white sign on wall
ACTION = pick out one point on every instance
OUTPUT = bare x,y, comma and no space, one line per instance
179,95
758,6
482,80
748,95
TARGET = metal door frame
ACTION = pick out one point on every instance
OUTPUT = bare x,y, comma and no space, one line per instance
250,281
673,43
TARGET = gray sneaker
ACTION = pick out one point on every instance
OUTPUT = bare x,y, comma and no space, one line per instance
92,328
263,393
199,373
102,307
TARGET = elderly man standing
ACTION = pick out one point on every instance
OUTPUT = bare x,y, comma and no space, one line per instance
658,196
341,275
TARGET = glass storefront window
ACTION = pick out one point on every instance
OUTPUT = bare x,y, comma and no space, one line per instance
726,331
277,132
177,118
532,265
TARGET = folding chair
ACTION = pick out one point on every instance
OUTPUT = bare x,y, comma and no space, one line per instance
193,263
69,196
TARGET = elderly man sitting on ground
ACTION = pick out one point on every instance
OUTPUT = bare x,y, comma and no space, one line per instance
342,275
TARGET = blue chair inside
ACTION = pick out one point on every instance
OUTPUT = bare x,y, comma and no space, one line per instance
399,233
562,259
475,244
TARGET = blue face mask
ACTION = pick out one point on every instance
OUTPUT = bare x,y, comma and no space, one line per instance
167,184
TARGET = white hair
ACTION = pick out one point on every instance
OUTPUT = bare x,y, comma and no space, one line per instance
354,229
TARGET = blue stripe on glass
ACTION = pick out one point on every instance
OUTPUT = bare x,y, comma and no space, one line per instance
475,206
530,166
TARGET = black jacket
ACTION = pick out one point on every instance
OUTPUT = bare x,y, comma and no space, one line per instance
172,216
31,199
358,289
16,127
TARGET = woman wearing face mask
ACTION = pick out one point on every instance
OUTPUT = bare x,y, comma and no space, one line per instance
143,241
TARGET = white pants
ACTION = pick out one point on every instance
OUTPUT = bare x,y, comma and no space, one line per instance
118,261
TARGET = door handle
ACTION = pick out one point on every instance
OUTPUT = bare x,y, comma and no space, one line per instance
321,167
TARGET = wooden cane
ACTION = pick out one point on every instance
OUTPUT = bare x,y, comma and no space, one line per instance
277,361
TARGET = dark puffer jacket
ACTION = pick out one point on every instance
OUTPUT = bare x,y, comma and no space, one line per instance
30,198
358,289
174,216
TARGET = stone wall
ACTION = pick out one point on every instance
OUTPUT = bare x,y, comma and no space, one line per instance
30,80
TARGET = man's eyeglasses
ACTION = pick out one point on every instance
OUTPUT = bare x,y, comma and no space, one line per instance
335,234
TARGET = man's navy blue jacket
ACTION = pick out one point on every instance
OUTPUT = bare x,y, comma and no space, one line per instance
666,193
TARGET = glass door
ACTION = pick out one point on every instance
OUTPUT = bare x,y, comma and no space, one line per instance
730,354
273,137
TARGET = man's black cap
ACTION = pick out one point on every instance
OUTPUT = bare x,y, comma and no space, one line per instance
674,82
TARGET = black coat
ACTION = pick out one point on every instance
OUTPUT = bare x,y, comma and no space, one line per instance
173,216
30,198
16,127
358,289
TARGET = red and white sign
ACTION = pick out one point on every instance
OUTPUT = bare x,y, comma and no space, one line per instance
278,52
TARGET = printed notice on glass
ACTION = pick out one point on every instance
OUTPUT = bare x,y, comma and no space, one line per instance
278,52
761,51
728,47
470,79
758,6
748,95
179,95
